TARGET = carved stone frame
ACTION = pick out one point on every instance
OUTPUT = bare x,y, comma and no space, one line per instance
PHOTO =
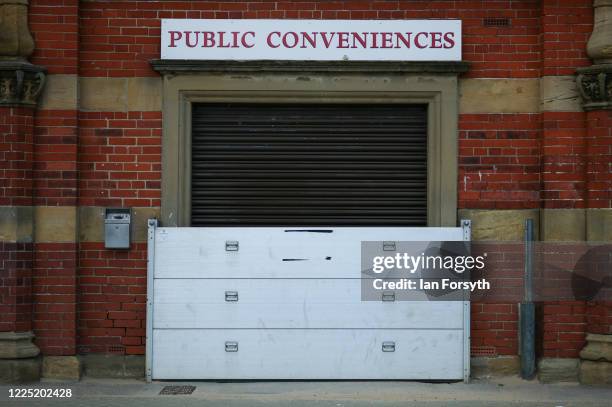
188,82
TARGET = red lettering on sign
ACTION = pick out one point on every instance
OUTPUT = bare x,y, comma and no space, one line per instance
327,40
404,39
244,39
235,35
311,40
436,40
208,40
314,39
417,42
362,40
174,36
269,39
387,41
188,39
222,43
290,39
374,40
449,39
343,40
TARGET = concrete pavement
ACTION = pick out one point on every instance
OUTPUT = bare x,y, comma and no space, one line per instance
510,392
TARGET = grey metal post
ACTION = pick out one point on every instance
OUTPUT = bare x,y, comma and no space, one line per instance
527,310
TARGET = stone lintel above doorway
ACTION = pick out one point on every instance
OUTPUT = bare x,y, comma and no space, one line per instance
171,66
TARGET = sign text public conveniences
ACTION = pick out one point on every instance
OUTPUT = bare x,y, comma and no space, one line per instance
358,40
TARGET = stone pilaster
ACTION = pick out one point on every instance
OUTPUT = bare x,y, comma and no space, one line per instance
16,42
595,86
595,82
20,85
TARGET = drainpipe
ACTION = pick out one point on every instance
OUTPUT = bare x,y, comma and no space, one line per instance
527,310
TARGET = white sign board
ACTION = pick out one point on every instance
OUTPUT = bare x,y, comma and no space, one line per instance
310,40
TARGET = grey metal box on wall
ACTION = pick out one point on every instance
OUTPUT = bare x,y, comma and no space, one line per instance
117,228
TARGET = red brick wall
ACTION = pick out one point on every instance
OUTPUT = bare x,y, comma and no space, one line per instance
118,38
112,310
562,328
16,156
599,159
506,161
16,126
563,160
494,326
599,317
55,27
54,294
55,158
565,29
499,161
15,286
119,165
120,158
55,264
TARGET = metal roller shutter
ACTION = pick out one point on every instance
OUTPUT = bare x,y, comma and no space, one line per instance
309,165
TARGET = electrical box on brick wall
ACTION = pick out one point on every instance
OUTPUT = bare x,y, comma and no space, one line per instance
117,225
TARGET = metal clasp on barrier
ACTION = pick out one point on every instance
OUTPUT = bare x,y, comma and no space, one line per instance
388,346
389,246
231,246
231,296
231,346
388,296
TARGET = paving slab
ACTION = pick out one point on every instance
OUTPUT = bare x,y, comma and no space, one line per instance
510,392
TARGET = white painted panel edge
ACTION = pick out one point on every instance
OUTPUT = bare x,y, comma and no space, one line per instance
152,225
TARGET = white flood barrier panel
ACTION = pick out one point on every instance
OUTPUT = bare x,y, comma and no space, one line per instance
286,303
